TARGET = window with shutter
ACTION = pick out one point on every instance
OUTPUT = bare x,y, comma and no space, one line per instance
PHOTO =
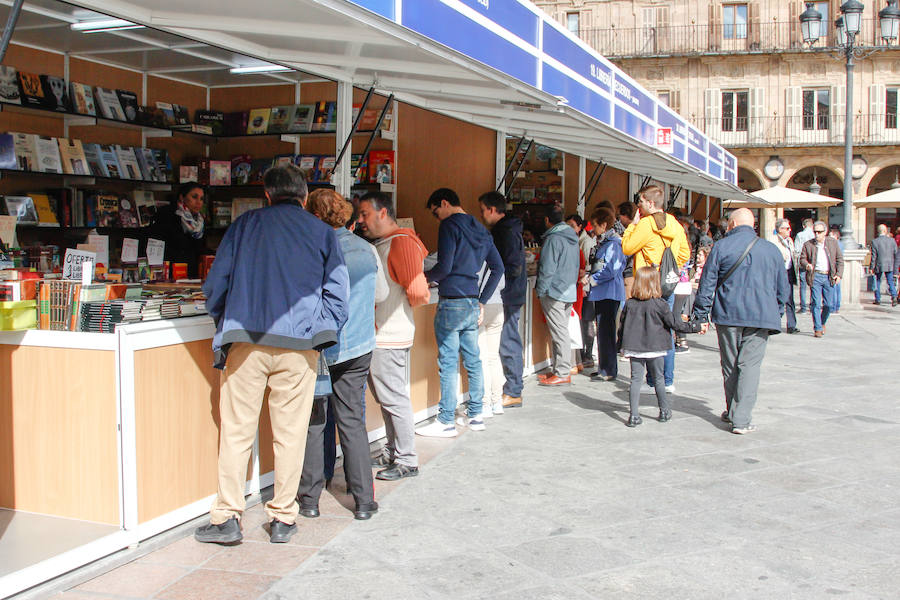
792,105
712,100
735,110
734,21
816,109
838,112
758,124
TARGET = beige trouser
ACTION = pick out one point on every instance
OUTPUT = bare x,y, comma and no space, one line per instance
489,350
291,378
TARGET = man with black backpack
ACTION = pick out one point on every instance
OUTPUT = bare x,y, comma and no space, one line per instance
743,290
658,240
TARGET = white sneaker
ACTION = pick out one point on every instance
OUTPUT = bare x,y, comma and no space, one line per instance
486,412
670,389
646,389
438,429
476,424
497,408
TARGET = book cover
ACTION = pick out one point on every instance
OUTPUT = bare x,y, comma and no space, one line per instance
145,204
93,160
188,173
369,119
301,121
108,101
128,216
386,123
240,169
74,161
25,145
45,213
220,172
182,118
9,86
381,166
168,113
281,118
8,152
128,165
163,164
150,116
325,118
214,119
241,205
107,211
48,157
129,102
57,93
236,123
221,213
283,160
146,169
89,205
358,168
258,168
22,208
32,90
258,121
326,168
110,161
83,99
307,164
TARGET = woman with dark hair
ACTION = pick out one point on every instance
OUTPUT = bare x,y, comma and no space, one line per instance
607,289
181,226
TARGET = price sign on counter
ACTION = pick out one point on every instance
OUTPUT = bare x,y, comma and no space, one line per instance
156,250
129,250
72,264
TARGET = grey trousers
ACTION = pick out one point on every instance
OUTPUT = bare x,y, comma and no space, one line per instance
741,352
387,380
557,315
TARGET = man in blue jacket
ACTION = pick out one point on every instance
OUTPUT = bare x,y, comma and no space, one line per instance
507,233
746,303
464,245
278,293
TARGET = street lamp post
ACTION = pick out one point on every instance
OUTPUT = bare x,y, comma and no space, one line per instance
847,27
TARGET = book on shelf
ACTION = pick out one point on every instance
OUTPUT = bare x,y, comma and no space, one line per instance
326,169
74,161
83,99
94,162
150,116
182,118
241,205
301,120
240,169
8,152
57,93
22,208
109,105
358,168
129,102
89,207
163,164
128,165
369,118
258,121
221,213
145,206
61,203
236,122
381,166
46,216
110,161
25,145
107,210
32,90
48,157
9,86
283,160
128,216
220,172
145,161
188,174
258,168
386,124
168,113
214,119
281,118
325,118
307,164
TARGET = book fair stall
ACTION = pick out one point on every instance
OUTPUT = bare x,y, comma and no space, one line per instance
108,397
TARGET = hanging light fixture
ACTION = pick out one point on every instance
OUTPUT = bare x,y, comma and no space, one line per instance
810,24
852,11
814,187
840,36
101,25
890,22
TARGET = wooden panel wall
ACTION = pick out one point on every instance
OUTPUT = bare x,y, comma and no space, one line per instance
613,187
570,184
58,435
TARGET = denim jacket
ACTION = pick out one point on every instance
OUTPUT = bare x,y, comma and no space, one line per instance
368,285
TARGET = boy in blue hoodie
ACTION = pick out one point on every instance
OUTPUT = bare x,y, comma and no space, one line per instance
464,245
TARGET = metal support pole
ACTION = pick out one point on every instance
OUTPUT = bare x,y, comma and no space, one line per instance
11,21
847,228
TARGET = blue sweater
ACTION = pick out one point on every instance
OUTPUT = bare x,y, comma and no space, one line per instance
279,279
607,263
464,245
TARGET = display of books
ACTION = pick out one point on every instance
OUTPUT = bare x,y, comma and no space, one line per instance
32,90
258,121
56,93
145,204
168,113
325,118
74,161
107,210
221,214
48,158
188,173
220,172
83,99
281,118
25,146
110,161
8,152
94,162
9,86
326,168
151,117
128,216
240,169
214,119
236,122
129,102
381,166
241,205
46,216
301,121
108,101
128,164
22,208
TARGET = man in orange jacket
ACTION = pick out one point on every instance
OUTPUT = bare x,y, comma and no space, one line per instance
646,239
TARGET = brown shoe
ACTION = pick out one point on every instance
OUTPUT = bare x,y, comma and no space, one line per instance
543,376
818,333
576,370
511,401
556,380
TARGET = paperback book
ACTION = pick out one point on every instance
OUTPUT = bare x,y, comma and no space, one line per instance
128,216
258,121
74,161
8,152
326,118
9,86
108,101
83,99
110,161
168,113
22,208
214,119
145,204
163,164
94,162
180,113
301,122
281,118
32,90
107,211
57,93
240,169
128,165
236,123
381,166
129,102
25,145
48,157
220,172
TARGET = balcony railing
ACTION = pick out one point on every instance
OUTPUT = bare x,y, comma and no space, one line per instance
806,130
677,40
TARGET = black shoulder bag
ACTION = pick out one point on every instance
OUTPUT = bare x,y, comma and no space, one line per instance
737,263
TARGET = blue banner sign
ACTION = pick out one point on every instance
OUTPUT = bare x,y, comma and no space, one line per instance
666,118
730,162
696,139
385,8
631,124
731,177
696,159
629,95
509,14
566,51
716,153
679,150
578,96
714,169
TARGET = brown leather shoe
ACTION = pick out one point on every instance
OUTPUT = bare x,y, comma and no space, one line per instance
817,333
576,370
556,380
511,401
543,376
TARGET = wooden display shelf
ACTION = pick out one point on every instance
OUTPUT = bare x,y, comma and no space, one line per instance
70,180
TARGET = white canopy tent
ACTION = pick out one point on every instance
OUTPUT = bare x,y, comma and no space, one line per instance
783,197
887,199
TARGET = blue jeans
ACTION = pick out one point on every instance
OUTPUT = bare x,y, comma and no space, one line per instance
822,301
511,351
669,360
804,292
889,277
456,332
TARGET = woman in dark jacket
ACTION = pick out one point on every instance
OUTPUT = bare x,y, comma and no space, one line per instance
181,226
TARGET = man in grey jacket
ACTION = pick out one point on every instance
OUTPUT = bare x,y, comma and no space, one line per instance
555,288
883,250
